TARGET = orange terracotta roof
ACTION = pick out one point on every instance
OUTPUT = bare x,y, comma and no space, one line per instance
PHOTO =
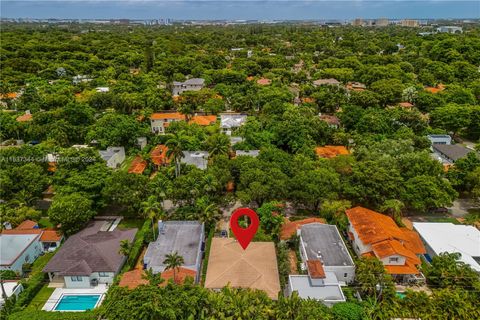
167,116
51,236
159,155
308,100
132,279
180,276
407,268
138,165
25,118
203,120
264,81
27,224
315,269
368,254
230,186
9,95
250,78
331,151
372,226
388,248
405,105
437,89
414,243
289,228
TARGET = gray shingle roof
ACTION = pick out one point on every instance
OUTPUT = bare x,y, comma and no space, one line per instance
322,241
452,151
90,250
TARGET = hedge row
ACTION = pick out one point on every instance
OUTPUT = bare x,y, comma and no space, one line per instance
45,315
137,246
207,253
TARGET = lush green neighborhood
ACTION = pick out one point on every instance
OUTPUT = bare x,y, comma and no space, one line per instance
372,130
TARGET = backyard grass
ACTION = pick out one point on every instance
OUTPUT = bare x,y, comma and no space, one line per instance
131,223
45,223
41,298
127,162
443,219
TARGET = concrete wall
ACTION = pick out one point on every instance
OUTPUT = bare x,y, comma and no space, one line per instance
340,272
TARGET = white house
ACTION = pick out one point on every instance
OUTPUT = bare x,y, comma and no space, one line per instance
439,139
198,159
323,242
231,120
160,121
12,288
450,29
114,156
376,235
194,84
18,249
440,237
89,257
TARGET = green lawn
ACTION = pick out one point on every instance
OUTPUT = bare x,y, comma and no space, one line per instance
41,298
127,162
131,223
443,219
45,223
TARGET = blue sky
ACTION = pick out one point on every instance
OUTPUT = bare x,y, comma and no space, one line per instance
240,9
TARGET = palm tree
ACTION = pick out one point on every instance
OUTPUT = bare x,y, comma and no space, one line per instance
175,143
210,213
173,261
154,279
125,247
393,207
218,144
151,210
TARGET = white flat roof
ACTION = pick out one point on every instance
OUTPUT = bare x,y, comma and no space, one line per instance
330,292
449,237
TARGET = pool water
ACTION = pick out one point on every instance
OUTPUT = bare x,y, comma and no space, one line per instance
77,302
401,295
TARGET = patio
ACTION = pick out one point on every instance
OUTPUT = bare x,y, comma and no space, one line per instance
60,292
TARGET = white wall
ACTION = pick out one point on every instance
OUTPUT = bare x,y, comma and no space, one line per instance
358,245
386,261
108,278
69,284
340,272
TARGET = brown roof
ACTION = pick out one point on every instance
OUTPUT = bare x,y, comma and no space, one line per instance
315,269
264,81
31,227
133,279
331,151
90,250
255,267
330,119
289,228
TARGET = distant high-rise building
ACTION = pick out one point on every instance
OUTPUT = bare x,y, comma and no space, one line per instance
409,23
358,22
382,22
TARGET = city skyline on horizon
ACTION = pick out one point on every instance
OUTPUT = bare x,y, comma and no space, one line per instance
240,10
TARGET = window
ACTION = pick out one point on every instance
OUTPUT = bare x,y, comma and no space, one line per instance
27,258
102,274
393,259
76,279
345,275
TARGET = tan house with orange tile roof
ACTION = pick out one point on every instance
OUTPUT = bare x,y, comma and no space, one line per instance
254,268
377,235
161,120
331,151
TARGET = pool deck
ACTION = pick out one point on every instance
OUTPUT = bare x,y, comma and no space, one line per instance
60,292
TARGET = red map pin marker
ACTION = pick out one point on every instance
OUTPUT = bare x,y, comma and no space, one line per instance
244,235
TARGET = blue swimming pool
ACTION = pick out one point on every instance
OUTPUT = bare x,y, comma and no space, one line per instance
77,302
